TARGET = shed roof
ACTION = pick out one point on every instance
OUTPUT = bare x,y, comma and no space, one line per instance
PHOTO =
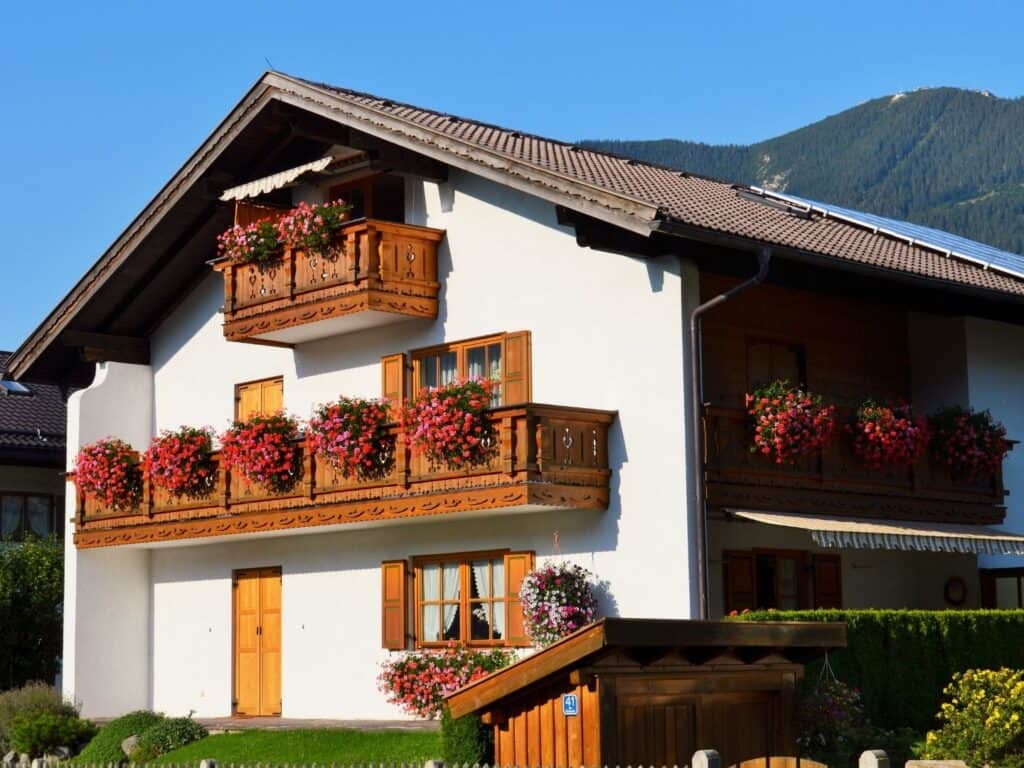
32,425
649,640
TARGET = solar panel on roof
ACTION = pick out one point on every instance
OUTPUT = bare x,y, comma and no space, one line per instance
927,237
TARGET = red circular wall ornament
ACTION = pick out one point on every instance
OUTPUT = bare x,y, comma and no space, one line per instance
955,591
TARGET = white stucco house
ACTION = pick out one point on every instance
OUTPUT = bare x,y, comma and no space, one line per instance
573,277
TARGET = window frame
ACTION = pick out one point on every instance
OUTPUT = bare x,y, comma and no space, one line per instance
797,346
461,348
464,560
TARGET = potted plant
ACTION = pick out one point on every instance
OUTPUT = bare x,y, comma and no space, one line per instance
264,449
313,228
107,471
448,424
181,461
258,243
351,435
888,434
789,422
557,600
968,441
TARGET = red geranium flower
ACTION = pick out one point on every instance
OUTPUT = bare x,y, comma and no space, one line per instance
969,441
888,434
108,472
181,462
448,424
789,423
351,434
264,449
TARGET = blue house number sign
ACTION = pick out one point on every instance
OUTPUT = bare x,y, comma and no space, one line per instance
570,705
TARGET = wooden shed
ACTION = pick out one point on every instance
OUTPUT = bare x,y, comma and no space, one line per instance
650,692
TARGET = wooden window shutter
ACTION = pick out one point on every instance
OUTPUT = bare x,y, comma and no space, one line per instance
740,581
394,387
248,401
272,400
394,608
988,594
828,581
517,565
516,385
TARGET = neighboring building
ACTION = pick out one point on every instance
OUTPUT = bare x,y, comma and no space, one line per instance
32,454
571,276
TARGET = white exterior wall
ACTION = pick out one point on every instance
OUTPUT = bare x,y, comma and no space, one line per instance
995,372
607,332
106,592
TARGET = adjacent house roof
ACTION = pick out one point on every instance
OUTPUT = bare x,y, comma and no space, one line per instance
283,122
32,423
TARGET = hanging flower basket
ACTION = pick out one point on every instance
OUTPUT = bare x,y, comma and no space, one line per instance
351,435
448,424
313,228
108,472
557,600
888,434
264,449
181,462
969,441
789,423
257,243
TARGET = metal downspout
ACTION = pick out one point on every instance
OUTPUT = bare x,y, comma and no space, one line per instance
764,258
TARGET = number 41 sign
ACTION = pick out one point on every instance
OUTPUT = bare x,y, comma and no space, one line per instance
570,704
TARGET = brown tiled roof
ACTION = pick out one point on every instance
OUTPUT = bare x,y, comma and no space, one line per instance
34,422
694,201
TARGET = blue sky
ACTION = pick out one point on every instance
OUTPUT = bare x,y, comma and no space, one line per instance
104,101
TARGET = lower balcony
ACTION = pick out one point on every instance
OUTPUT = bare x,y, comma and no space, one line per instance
542,457
380,272
837,482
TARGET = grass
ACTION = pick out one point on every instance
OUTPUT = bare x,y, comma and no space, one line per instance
312,746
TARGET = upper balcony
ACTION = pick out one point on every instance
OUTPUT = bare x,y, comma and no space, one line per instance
380,272
837,482
541,457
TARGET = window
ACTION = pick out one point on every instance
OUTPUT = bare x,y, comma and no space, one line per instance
259,398
503,358
381,196
781,579
1002,588
468,598
8,387
23,514
769,361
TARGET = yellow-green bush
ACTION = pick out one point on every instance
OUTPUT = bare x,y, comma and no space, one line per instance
982,719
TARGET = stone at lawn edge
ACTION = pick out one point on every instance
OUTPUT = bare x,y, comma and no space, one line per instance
208,763
11,758
936,764
38,762
129,744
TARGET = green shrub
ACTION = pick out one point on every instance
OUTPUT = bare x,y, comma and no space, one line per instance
465,740
902,660
41,733
166,735
982,719
105,747
28,701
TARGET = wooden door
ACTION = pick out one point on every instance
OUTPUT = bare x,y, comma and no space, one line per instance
258,641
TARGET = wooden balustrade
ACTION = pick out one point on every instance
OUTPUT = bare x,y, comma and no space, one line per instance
540,456
837,481
382,269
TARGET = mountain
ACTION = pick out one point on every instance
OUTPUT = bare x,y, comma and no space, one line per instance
942,157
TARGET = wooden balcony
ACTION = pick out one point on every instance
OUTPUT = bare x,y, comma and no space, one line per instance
838,482
379,273
542,457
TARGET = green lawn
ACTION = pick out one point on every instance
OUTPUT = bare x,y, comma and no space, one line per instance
312,746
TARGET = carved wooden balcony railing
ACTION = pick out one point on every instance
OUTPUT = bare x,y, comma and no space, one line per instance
837,482
378,273
541,457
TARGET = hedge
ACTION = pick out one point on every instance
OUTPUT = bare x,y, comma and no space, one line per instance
901,660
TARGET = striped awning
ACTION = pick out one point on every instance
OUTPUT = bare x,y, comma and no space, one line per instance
276,181
862,533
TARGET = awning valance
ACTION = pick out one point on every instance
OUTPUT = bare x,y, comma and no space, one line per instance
861,533
337,158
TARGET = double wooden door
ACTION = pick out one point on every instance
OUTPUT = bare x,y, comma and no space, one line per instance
258,641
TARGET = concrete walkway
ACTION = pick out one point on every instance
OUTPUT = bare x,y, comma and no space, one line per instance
218,724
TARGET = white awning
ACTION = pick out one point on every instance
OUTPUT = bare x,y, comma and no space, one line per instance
862,533
278,180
